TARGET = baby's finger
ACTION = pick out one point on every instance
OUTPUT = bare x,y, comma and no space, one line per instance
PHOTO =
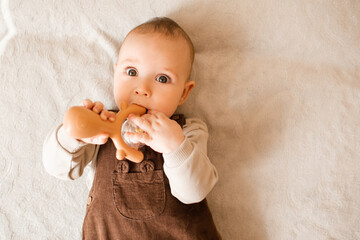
155,114
98,107
87,103
102,136
101,140
112,116
105,115
139,137
143,122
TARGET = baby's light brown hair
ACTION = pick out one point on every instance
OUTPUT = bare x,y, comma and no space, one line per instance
167,27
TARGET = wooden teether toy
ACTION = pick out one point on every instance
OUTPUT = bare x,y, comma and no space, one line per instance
80,122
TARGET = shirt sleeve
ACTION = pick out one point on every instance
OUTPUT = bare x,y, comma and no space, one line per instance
189,170
65,157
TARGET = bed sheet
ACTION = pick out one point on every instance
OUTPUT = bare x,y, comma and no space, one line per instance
277,83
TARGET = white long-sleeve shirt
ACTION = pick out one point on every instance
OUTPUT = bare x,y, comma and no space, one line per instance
191,174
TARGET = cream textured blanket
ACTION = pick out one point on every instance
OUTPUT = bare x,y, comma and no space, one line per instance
278,83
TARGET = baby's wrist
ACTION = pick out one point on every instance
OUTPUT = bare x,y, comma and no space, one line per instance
175,144
179,155
67,142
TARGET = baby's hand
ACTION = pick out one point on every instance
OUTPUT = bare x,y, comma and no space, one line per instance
105,115
161,133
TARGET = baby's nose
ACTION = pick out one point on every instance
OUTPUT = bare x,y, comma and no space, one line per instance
139,92
143,91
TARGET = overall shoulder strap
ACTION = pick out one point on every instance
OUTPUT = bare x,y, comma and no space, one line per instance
179,118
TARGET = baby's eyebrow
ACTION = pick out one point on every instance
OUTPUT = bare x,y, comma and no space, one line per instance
129,60
171,72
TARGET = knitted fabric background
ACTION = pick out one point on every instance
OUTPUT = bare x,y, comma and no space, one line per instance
277,82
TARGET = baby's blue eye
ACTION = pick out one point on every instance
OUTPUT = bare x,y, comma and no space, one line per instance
131,72
162,79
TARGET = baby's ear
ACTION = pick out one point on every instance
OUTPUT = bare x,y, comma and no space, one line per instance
189,85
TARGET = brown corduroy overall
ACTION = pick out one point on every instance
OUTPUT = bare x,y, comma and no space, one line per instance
133,201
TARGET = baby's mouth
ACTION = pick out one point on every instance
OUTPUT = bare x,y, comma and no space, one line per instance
138,105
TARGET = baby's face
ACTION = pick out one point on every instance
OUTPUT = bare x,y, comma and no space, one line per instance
152,71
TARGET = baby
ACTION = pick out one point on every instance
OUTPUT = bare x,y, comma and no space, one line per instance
163,197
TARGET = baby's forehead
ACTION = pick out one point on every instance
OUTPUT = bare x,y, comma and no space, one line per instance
132,36
151,34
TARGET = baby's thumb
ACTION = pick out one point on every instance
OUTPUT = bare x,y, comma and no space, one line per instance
102,138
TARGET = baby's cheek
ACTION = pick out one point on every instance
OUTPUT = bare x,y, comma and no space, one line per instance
168,109
120,96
